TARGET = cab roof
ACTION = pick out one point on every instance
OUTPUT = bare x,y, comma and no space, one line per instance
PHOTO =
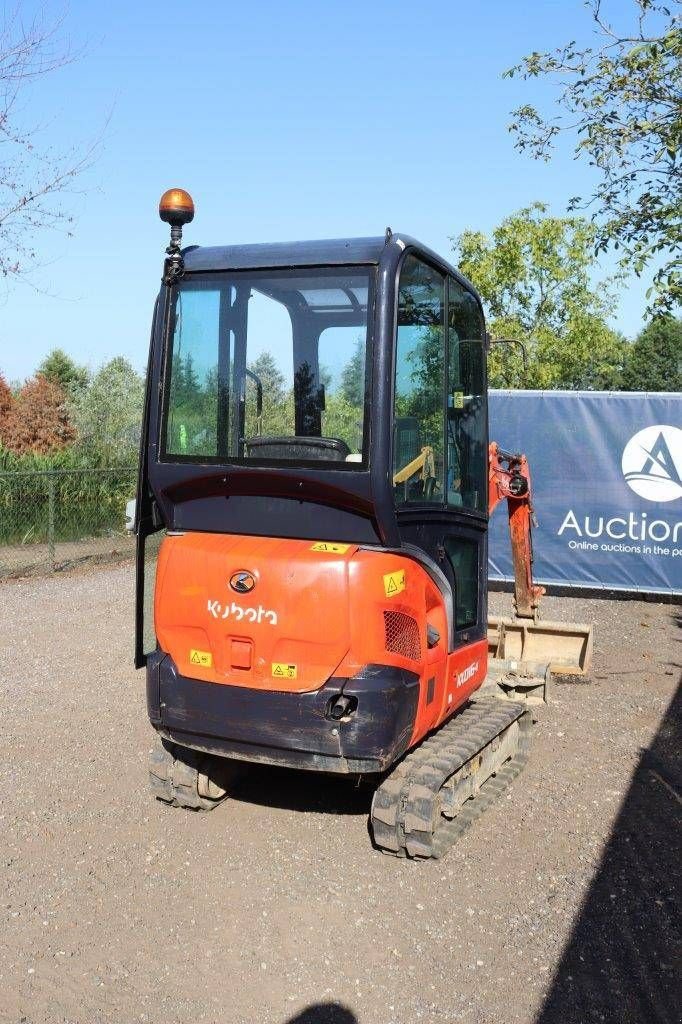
321,252
284,254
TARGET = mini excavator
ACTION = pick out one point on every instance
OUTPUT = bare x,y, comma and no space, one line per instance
312,515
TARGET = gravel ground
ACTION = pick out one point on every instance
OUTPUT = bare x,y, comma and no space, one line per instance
558,906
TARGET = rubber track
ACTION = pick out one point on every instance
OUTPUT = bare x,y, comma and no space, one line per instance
174,777
405,817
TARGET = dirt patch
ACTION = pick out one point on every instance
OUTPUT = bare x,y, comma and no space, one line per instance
558,906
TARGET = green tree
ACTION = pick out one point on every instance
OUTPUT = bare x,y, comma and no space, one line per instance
344,420
108,415
535,276
353,376
191,382
270,376
277,415
57,366
620,101
654,360
193,408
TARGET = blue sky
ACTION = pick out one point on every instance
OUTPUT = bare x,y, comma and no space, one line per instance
284,121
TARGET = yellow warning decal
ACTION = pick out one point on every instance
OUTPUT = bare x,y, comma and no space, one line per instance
458,399
203,658
394,583
282,671
330,548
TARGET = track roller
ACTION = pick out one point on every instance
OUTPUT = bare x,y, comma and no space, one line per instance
439,789
187,778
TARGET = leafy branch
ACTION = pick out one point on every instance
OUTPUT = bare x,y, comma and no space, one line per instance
621,101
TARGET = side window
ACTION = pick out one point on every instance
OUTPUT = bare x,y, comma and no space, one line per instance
467,457
418,455
193,398
464,554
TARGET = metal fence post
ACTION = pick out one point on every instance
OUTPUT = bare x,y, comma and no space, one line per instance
51,487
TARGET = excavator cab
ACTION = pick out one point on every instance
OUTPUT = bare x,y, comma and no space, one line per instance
312,510
330,392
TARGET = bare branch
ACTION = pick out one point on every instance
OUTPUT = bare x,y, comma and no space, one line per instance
33,177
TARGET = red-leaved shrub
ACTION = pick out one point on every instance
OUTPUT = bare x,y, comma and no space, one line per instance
37,419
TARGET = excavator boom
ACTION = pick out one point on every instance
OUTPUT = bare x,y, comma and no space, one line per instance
525,638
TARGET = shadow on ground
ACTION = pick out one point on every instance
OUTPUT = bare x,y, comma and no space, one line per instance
324,1013
621,963
302,791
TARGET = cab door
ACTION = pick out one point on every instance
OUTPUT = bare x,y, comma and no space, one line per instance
148,525
440,435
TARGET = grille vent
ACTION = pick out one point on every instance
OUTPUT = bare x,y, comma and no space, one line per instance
402,635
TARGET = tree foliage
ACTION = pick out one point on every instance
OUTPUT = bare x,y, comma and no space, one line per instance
194,402
353,376
270,376
654,360
61,368
535,277
108,414
620,100
6,400
37,419
343,419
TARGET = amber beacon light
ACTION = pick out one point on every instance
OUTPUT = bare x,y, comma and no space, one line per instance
176,208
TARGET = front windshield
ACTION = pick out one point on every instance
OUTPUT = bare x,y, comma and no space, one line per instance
269,365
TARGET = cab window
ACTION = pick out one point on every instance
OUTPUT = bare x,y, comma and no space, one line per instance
270,366
418,450
467,464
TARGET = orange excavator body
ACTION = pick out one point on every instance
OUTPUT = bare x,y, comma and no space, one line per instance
312,612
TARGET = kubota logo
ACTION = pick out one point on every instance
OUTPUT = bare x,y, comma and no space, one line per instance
652,463
242,582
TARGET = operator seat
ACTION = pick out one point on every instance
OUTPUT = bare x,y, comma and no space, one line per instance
331,449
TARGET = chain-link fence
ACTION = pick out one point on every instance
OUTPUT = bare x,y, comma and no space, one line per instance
57,518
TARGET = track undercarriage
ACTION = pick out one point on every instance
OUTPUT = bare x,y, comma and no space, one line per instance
425,802
439,789
187,778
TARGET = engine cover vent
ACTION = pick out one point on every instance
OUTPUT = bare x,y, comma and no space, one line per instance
402,635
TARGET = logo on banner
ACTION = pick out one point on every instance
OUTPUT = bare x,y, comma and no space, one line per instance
652,463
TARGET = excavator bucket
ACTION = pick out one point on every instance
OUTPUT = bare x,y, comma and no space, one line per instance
565,646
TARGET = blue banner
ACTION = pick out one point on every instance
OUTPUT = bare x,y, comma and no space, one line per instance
606,469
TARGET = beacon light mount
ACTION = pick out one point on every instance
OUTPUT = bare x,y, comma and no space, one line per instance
176,208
